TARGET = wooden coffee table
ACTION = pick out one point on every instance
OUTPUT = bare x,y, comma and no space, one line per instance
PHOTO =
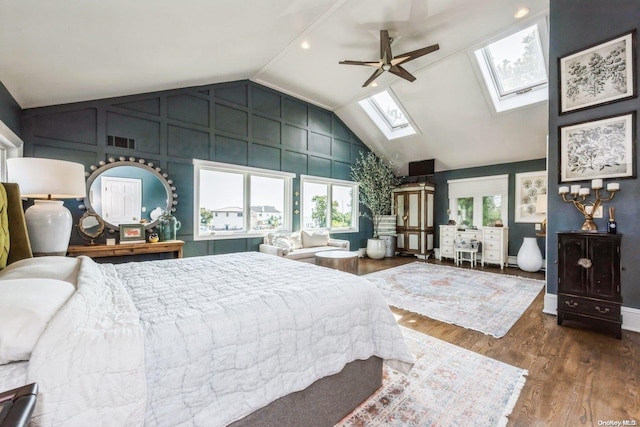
339,260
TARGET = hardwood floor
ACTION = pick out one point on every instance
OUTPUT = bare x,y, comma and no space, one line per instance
576,377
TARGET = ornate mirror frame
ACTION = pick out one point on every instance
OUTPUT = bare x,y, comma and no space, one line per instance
90,227
113,162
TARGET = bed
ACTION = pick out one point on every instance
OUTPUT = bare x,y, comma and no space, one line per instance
241,339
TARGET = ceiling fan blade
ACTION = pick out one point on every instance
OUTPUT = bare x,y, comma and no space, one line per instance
367,63
401,72
406,57
385,47
374,76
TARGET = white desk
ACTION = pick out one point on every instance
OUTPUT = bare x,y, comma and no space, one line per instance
495,241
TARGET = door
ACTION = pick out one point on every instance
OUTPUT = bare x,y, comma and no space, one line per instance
121,199
398,203
572,276
604,274
413,210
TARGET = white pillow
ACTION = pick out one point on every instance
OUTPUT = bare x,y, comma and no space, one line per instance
26,306
313,238
284,243
46,267
296,240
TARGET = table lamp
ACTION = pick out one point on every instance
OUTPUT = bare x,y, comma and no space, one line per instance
49,223
541,208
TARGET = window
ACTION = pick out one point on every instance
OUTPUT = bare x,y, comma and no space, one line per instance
10,146
329,203
514,67
238,201
387,113
479,201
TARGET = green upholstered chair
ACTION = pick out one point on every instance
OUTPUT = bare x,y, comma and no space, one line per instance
14,238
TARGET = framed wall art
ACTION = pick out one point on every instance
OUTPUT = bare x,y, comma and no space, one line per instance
132,233
600,74
602,148
530,187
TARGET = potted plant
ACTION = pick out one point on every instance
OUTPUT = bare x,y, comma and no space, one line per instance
376,181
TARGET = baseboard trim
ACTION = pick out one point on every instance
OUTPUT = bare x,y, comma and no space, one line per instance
630,316
513,262
550,304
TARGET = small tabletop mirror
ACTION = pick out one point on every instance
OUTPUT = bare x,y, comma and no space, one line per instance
90,227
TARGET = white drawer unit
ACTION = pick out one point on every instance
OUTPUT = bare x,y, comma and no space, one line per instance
469,235
494,241
447,241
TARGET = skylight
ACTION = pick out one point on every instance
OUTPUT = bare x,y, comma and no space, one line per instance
387,113
514,68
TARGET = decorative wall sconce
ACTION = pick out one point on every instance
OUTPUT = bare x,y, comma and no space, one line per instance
578,196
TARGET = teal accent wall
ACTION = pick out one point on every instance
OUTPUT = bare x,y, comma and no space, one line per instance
517,231
10,110
576,25
241,123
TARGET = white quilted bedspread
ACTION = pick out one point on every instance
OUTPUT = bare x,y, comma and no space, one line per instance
227,334
202,341
89,361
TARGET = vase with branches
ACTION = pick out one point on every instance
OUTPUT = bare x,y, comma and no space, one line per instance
376,181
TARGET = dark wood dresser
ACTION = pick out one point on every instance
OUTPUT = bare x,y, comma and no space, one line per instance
589,280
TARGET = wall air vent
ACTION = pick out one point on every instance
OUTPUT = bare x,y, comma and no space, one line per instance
121,142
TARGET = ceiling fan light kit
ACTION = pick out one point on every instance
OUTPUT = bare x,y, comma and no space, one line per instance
390,63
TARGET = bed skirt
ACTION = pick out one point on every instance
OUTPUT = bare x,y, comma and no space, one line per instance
323,403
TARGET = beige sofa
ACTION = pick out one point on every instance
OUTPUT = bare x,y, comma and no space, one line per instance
301,245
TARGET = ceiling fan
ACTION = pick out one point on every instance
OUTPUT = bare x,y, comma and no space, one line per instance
390,63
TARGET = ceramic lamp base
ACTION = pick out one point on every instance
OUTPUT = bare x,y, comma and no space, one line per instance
49,226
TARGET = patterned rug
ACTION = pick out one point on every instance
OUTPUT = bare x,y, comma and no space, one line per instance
448,386
486,302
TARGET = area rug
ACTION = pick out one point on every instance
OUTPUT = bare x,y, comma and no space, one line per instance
486,302
448,386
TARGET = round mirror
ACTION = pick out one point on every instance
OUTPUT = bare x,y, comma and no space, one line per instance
90,227
129,191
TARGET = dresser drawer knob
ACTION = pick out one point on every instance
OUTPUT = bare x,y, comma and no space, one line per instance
585,263
602,310
571,303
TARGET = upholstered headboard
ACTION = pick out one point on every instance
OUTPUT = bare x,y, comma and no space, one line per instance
14,239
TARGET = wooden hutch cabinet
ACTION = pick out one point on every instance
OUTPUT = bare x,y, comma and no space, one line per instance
589,280
413,207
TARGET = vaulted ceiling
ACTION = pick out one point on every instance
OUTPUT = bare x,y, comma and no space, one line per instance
54,52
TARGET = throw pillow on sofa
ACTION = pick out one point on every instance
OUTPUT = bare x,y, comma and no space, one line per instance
314,238
296,240
284,243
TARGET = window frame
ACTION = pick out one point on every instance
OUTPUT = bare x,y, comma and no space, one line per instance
355,205
380,119
478,195
497,81
521,98
10,146
247,172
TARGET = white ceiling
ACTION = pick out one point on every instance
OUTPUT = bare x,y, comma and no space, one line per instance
62,51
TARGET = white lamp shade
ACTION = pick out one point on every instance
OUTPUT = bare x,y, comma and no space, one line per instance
541,204
47,178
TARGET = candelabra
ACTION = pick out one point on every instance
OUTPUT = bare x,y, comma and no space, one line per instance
579,197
